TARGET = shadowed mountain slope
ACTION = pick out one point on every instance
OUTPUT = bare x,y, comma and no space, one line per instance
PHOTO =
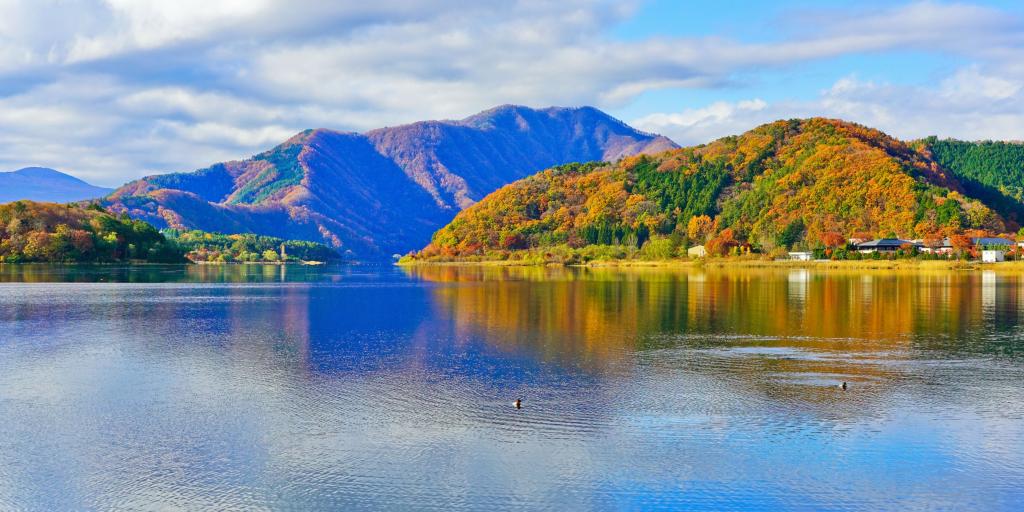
385,191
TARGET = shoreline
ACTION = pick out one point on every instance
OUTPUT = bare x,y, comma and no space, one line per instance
724,263
153,264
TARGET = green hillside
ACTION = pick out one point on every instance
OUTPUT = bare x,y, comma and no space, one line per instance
991,171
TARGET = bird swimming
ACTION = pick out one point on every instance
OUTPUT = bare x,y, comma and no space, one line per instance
518,404
843,386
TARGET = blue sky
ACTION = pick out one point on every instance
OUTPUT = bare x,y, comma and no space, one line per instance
111,90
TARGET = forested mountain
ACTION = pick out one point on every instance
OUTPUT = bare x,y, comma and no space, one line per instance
43,184
386,191
991,170
777,185
48,232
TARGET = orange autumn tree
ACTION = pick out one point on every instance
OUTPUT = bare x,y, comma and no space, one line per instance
723,243
833,240
961,244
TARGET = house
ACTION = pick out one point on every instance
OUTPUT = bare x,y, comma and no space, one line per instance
944,246
801,256
696,251
884,245
993,255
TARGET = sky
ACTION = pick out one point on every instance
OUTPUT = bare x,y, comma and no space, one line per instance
112,90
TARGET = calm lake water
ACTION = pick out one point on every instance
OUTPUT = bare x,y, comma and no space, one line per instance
249,387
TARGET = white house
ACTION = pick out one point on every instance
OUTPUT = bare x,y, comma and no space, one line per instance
992,256
801,256
696,251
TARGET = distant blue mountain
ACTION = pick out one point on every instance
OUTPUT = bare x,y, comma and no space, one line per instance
43,184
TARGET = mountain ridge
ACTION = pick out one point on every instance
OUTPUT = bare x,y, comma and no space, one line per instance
383,191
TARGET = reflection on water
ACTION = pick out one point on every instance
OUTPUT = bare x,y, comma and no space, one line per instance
251,273
240,387
596,313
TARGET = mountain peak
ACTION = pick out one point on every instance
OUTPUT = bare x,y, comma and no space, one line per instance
383,191
46,185
47,173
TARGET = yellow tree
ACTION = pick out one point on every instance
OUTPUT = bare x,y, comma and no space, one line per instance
699,227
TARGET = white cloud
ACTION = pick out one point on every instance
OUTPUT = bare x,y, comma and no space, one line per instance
970,104
697,125
970,84
115,89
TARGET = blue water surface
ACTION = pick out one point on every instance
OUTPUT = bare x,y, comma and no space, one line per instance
347,388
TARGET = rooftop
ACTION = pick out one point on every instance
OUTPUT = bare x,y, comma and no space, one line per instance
886,242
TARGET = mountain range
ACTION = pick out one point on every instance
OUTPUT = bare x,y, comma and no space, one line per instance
381,192
48,185
781,184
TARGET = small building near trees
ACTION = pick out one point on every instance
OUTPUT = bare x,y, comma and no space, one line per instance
801,256
697,251
993,255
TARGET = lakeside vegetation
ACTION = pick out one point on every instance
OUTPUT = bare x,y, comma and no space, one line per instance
632,256
35,232
67,233
201,246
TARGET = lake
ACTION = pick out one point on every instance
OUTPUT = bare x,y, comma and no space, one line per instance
348,388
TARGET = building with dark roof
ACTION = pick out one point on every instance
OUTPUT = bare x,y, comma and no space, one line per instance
992,242
885,245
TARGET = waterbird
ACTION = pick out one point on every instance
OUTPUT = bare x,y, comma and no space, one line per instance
843,386
518,404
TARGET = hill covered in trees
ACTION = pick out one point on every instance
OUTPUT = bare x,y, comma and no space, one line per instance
58,233
787,184
385,191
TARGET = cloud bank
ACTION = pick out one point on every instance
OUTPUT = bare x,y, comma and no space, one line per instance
116,89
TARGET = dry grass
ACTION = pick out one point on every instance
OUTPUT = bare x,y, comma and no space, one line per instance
725,263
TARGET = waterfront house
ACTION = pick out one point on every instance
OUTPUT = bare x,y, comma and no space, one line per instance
696,251
801,256
993,255
884,245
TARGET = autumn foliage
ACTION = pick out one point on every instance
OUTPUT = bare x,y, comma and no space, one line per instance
798,183
47,232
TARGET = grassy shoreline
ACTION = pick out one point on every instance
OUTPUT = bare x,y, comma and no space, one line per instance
725,263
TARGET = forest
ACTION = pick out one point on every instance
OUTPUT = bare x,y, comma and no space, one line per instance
201,246
992,171
789,185
59,233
